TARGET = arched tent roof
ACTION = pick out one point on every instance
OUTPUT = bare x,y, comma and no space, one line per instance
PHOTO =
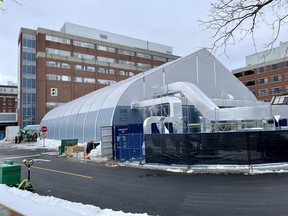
83,117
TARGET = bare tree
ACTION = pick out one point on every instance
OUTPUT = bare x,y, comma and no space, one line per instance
232,21
5,10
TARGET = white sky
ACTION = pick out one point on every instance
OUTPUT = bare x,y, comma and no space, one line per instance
168,22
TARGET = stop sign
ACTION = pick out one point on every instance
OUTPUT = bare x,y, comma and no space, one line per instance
43,129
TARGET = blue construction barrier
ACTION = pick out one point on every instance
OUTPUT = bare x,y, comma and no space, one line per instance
130,147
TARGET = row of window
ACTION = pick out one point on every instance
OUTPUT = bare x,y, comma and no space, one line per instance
9,111
105,48
88,68
92,57
8,90
79,79
9,105
264,80
263,69
7,99
273,91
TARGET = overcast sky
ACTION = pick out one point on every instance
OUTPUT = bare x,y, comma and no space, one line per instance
168,22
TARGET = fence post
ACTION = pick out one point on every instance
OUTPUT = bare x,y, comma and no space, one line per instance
249,152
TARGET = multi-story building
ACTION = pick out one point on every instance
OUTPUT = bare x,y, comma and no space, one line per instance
8,105
59,66
266,73
8,98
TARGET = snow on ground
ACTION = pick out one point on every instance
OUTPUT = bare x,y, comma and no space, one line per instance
32,204
43,205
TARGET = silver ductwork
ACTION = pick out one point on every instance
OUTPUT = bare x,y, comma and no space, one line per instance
210,110
175,116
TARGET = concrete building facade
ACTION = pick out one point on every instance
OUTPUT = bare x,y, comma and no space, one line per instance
56,67
266,73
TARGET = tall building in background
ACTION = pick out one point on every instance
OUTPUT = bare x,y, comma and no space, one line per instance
58,66
266,73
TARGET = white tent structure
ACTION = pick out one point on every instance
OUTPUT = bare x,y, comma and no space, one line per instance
197,80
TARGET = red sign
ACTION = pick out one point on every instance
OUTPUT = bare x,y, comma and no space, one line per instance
44,129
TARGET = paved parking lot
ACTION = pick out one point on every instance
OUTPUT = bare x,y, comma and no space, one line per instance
152,191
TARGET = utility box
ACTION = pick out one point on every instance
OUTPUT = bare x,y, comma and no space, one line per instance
10,173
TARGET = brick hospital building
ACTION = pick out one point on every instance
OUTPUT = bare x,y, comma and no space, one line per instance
56,67
266,73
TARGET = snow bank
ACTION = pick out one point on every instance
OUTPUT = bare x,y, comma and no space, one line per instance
32,204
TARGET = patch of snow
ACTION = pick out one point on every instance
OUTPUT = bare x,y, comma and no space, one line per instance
32,204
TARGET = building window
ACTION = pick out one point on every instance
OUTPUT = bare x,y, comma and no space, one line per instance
106,70
57,39
276,90
144,66
58,77
285,64
275,67
262,81
263,92
83,44
285,76
52,105
105,59
250,83
88,80
65,65
79,67
158,58
28,56
106,82
58,64
238,74
57,52
126,52
143,55
91,69
83,56
29,40
106,48
101,70
78,79
123,73
261,70
123,62
276,78
248,73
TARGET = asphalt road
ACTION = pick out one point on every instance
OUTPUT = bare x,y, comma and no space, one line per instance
154,192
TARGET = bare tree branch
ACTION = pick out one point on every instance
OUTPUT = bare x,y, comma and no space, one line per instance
232,21
5,10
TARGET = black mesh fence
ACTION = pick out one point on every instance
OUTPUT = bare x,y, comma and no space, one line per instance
250,147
